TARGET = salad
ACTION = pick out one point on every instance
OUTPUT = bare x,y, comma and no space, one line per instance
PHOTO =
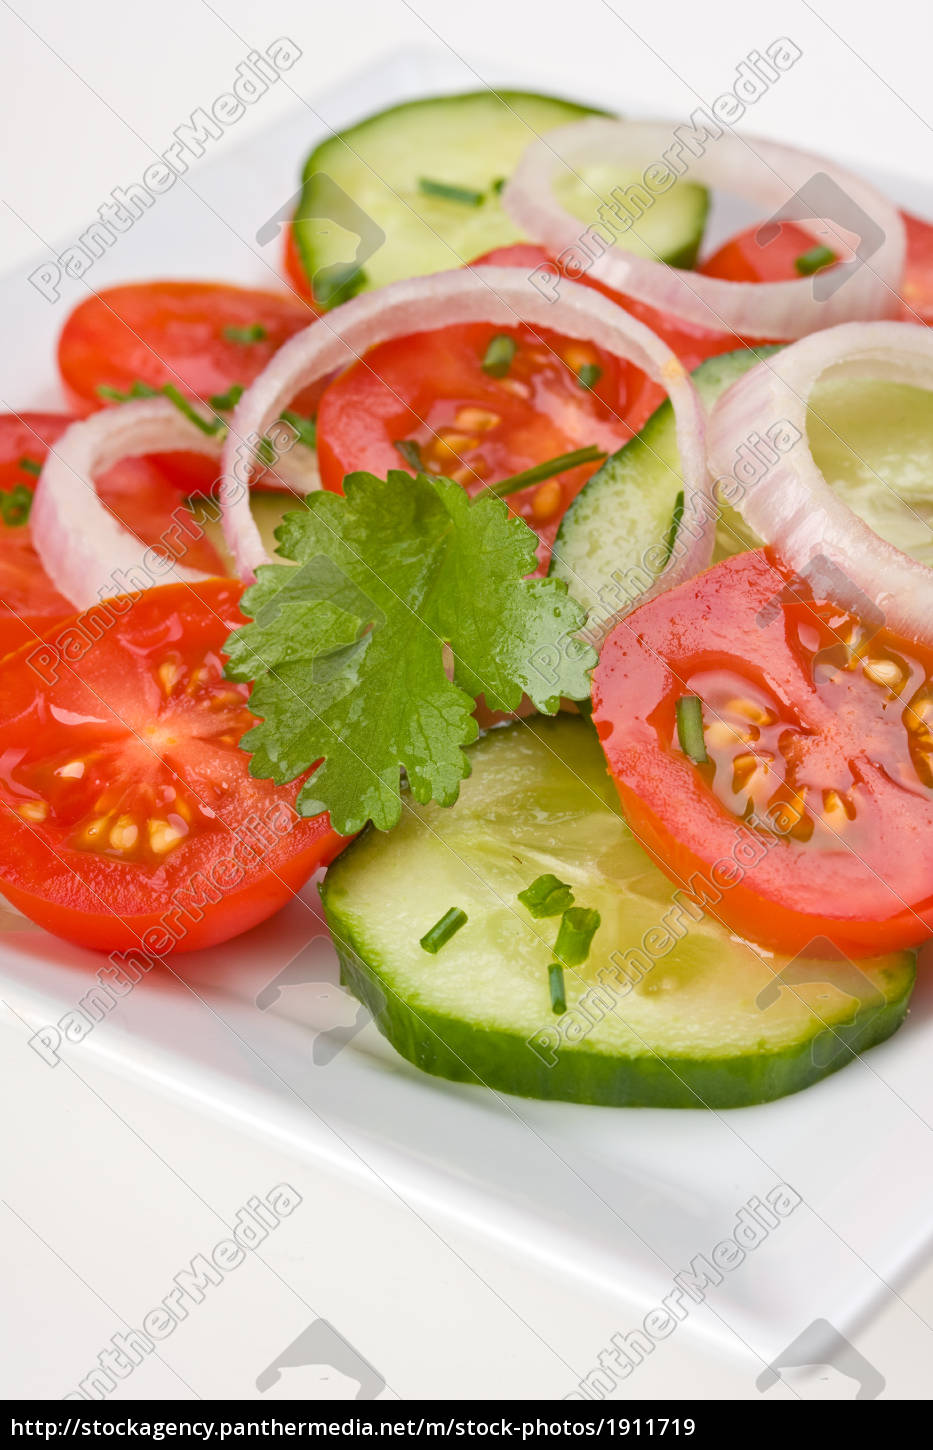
559,587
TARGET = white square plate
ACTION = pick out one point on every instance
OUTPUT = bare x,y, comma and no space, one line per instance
620,1199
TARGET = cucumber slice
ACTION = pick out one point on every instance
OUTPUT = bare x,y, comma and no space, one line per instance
626,509
873,442
363,218
688,1033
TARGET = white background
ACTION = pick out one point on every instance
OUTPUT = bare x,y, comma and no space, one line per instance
116,1204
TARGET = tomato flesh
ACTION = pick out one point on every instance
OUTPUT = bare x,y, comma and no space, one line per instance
176,332
430,389
820,758
135,490
744,259
123,791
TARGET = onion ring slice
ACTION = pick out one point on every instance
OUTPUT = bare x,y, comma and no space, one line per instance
765,172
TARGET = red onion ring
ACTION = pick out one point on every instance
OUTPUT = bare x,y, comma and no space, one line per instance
83,547
791,506
500,295
763,172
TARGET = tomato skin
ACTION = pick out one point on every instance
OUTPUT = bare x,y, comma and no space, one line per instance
133,740
918,273
137,492
788,891
292,265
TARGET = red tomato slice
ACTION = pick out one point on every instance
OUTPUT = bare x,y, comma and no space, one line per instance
177,332
690,343
743,259
430,389
918,274
814,814
135,490
292,265
128,816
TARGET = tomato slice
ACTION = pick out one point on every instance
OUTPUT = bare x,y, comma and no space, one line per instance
744,259
918,274
192,334
128,816
814,813
135,490
431,391
691,344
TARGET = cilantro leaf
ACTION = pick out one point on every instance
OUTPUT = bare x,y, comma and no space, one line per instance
347,650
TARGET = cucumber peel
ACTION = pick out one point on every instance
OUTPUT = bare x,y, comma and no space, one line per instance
704,1020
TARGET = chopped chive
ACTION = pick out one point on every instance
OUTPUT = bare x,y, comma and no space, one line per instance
447,192
29,465
306,428
15,505
411,453
809,262
555,977
589,375
546,896
498,185
255,332
337,284
443,930
224,402
674,525
497,359
541,471
138,389
211,428
689,711
578,926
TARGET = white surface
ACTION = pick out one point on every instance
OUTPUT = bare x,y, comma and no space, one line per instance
467,1245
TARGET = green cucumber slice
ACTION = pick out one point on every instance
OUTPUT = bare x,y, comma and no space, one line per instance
373,207
607,536
676,1026
873,442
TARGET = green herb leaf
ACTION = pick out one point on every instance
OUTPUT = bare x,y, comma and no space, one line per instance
138,389
546,896
809,262
555,978
689,713
306,428
497,359
336,284
15,505
211,426
30,465
411,452
578,926
517,481
465,195
255,332
226,402
498,185
443,930
346,650
589,375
